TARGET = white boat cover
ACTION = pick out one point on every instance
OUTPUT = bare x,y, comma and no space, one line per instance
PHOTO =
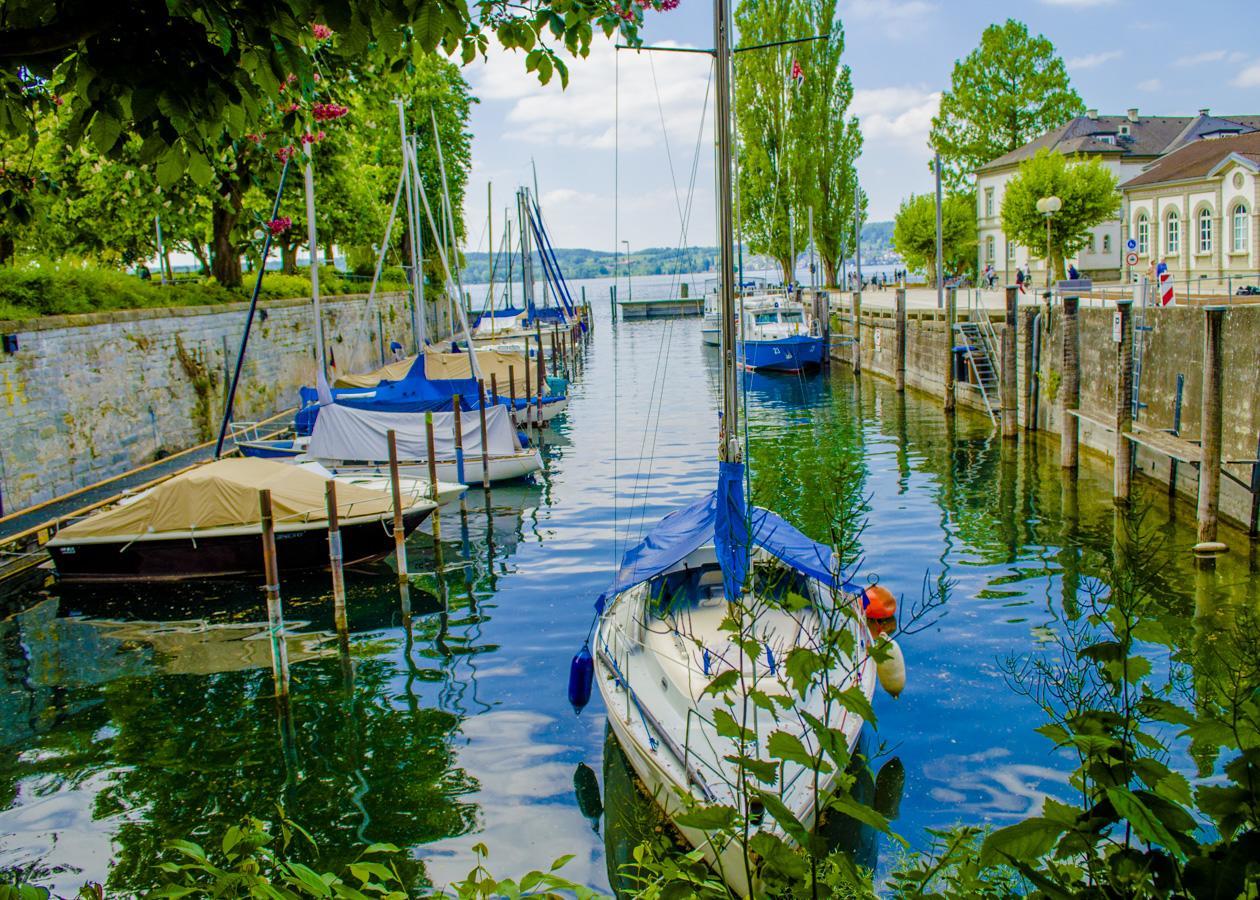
346,433
454,366
491,324
222,494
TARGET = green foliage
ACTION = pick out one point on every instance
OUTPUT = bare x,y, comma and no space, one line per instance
28,292
481,883
1010,89
914,234
1088,191
797,143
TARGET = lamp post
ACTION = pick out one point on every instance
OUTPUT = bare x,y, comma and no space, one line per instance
1048,206
629,275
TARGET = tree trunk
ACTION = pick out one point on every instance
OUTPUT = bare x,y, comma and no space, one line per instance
225,262
829,272
786,265
197,249
7,249
288,258
328,255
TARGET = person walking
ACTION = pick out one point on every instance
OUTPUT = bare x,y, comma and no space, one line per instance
1019,279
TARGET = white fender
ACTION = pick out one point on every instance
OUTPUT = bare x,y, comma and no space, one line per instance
892,670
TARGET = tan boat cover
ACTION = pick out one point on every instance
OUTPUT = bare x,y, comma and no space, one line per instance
440,366
395,371
223,494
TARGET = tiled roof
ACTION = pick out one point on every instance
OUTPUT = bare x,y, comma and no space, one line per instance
1148,136
1196,159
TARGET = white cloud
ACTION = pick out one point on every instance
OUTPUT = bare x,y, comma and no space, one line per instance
903,114
1210,56
1150,85
895,18
1093,60
1248,77
585,115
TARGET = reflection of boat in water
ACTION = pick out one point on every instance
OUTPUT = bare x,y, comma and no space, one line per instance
778,392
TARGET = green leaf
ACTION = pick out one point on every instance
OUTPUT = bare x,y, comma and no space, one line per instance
765,771
723,682
779,856
1145,823
783,745
855,702
728,727
801,666
778,810
1025,841
866,815
429,25
170,167
380,848
105,131
707,818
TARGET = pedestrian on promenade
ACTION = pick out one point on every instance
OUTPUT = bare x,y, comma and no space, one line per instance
1019,279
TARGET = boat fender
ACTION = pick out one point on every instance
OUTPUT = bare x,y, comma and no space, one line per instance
891,668
707,661
586,788
880,608
770,663
581,678
523,438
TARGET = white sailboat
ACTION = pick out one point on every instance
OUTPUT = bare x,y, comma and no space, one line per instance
662,636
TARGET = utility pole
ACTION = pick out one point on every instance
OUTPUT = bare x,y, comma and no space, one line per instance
940,275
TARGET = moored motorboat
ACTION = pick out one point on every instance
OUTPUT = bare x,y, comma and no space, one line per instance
776,339
206,523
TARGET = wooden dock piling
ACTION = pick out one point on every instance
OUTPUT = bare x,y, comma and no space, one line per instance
1213,391
275,612
433,479
459,439
335,558
900,364
1070,384
857,332
1122,480
951,307
395,486
485,449
1176,432
1010,345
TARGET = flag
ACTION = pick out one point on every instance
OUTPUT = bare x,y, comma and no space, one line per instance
1166,292
798,74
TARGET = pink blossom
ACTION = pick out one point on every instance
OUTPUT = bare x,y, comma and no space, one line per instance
327,112
667,5
57,99
284,154
279,226
321,32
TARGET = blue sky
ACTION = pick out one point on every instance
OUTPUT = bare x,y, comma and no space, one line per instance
1165,58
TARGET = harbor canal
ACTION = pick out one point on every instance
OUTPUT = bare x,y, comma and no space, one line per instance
133,716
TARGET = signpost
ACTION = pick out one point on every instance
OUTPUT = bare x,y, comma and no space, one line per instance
1117,327
1130,258
1130,245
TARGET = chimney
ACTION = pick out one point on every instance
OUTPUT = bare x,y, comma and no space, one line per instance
1205,111
1132,114
1091,114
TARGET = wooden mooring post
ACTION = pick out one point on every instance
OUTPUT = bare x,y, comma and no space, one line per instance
857,332
275,611
529,390
395,487
1210,438
1122,327
459,439
485,449
1176,432
900,363
336,558
951,309
1070,384
1010,345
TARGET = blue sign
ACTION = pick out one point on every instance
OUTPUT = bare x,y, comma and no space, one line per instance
1130,244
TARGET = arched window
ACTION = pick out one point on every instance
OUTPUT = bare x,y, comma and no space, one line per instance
1205,230
1106,243
988,248
1173,231
1010,250
1144,234
1240,228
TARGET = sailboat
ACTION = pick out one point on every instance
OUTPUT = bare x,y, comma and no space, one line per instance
661,636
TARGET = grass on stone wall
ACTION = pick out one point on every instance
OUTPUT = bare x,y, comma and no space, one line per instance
29,291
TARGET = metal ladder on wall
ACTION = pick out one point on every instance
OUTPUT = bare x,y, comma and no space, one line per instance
980,338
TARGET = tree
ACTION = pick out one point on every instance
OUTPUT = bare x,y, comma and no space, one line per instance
1009,90
914,233
1088,191
831,155
187,76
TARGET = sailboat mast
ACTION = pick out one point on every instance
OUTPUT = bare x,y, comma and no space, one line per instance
321,372
417,306
729,447
490,245
527,262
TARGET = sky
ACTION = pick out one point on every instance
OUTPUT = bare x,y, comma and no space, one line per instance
622,154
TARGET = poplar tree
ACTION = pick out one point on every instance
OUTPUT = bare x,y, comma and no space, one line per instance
797,144
1010,89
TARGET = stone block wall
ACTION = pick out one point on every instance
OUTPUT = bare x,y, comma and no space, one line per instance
1173,345
90,396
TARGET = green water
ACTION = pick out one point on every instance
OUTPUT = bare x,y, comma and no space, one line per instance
132,716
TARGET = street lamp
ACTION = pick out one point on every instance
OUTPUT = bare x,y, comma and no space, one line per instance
1048,206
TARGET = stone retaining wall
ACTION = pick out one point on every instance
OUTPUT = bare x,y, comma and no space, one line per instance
89,396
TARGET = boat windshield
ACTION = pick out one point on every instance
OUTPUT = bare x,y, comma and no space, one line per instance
791,315
766,318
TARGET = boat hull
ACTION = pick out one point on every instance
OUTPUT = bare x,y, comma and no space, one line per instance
502,468
182,558
801,353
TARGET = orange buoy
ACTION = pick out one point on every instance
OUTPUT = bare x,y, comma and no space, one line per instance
880,608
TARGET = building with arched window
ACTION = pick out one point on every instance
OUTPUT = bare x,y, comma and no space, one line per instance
1128,145
1203,198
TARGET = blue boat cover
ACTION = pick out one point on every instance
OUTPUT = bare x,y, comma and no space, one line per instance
508,312
412,393
721,516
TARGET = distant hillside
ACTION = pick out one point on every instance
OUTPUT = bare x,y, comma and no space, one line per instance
582,263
